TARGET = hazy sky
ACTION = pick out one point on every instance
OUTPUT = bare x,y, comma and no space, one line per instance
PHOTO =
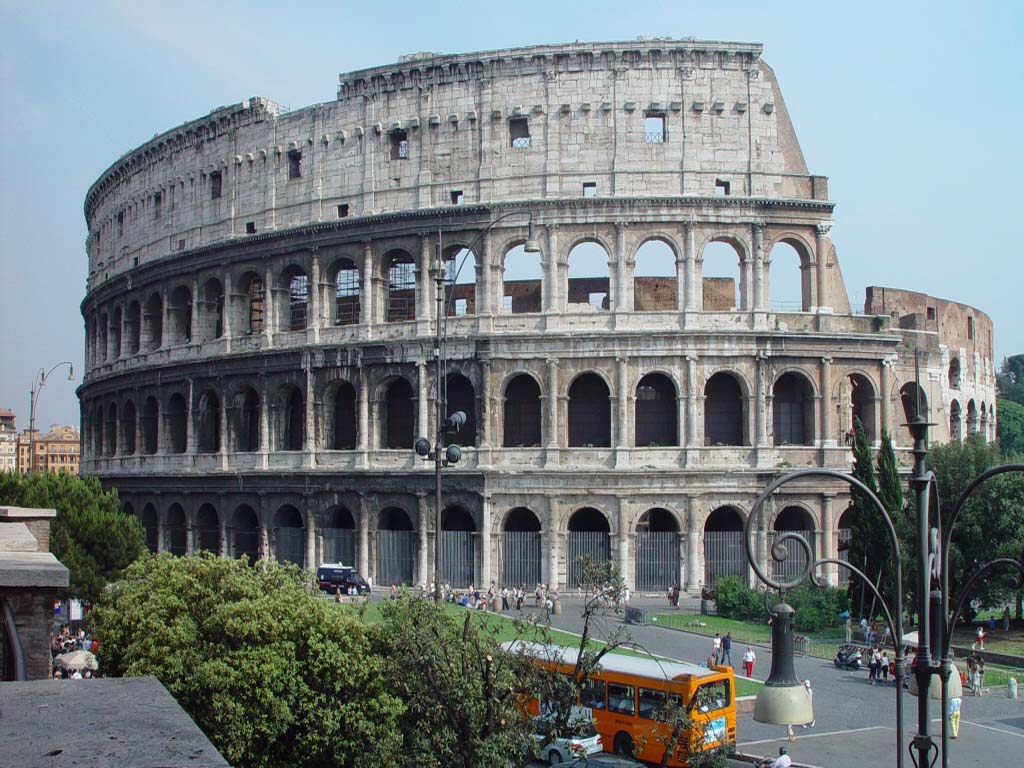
913,110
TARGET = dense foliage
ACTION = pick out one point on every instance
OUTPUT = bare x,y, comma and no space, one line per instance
274,675
1010,426
816,607
1010,379
91,536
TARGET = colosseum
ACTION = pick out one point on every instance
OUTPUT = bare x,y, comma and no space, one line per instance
260,322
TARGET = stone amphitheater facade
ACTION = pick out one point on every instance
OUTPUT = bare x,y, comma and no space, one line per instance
260,322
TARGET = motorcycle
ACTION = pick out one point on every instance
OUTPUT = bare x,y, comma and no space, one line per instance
847,657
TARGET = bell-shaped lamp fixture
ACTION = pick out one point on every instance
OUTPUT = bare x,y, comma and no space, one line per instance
532,244
783,700
954,688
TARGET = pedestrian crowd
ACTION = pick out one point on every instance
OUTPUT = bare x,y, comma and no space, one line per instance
66,641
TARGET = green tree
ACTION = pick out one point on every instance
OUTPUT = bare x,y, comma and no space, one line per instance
90,535
991,524
273,674
1010,426
1010,379
867,549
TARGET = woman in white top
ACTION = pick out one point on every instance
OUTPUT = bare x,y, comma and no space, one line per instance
748,661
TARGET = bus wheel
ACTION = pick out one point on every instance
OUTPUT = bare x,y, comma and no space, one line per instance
623,744
554,757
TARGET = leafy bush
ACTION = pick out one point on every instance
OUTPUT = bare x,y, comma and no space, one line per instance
735,600
817,607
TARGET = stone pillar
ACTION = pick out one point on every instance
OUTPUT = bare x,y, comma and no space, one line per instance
620,297
315,299
191,420
484,293
366,287
194,335
189,544
692,551
485,543
269,313
691,401
424,292
423,402
363,438
821,255
310,536
363,554
309,443
222,426
746,277
553,549
886,403
828,548
554,288
760,404
628,575
165,325
224,551
264,424
621,380
425,565
826,403
694,293
226,310
485,405
552,435
264,542
757,231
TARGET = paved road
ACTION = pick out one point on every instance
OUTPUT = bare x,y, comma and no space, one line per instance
855,724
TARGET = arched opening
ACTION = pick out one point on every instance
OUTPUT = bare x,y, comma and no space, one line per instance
104,337
133,324
793,410
396,547
252,319
460,279
97,431
655,280
845,533
522,282
401,299
177,531
209,422
151,525
398,416
588,278
911,395
792,519
655,411
128,426
983,421
346,293
657,550
520,548
245,538
790,277
211,316
115,334
862,402
722,280
339,537
724,550
588,537
206,531
288,538
461,397
972,417
954,373
247,421
153,322
111,429
290,430
149,426
723,411
590,423
343,436
295,313
458,547
179,315
522,413
176,416
956,428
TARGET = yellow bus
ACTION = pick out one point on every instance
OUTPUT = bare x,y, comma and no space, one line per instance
627,697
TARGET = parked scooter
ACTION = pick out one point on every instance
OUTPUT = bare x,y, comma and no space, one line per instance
847,657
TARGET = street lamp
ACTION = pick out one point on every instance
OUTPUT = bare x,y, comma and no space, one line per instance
452,423
38,382
779,702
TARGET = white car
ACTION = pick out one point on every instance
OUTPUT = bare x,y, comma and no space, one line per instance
563,750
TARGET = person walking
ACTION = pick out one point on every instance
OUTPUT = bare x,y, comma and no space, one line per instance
748,661
716,646
884,666
980,671
954,716
504,598
810,698
727,649
849,630
548,605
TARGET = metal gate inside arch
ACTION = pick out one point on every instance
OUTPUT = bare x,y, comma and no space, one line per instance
520,551
592,544
457,558
657,560
395,553
339,546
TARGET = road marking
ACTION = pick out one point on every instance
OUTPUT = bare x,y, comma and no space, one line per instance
1018,734
801,736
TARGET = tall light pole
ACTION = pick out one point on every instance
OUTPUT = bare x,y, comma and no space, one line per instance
38,382
783,700
452,422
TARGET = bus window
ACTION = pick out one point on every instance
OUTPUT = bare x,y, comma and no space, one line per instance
712,696
621,699
651,704
592,694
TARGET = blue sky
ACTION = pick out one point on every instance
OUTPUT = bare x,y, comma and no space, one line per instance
912,109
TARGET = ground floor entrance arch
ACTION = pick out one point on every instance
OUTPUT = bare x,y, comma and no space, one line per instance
724,552
246,534
339,537
458,547
657,551
588,537
288,538
792,519
520,549
206,531
396,547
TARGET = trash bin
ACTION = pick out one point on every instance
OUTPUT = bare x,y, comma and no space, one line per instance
556,606
703,607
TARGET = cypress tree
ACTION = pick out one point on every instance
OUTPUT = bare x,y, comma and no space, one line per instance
862,516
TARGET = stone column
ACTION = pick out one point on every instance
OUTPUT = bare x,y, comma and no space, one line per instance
269,313
485,405
628,575
692,551
886,404
618,273
264,424
828,548
222,426
315,320
826,402
552,436
760,404
746,278
191,420
189,544
622,438
264,541
223,551
423,402
363,438
194,334
310,536
691,401
424,289
366,286
757,231
485,543
554,290
484,292
309,443
426,561
553,549
226,311
694,296
364,536
821,255
165,325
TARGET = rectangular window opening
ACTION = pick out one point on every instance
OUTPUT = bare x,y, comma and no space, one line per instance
158,201
599,300
120,223
654,128
399,145
461,306
294,164
457,197
721,188
931,313
970,327
181,245
250,227
343,210
506,303
590,189
215,185
519,132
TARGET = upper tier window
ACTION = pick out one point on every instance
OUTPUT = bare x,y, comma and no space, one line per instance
519,132
294,164
215,185
654,128
399,145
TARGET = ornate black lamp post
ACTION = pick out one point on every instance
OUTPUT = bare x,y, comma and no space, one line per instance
34,392
450,423
782,700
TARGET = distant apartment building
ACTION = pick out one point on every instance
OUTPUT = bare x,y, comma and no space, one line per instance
8,441
55,451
